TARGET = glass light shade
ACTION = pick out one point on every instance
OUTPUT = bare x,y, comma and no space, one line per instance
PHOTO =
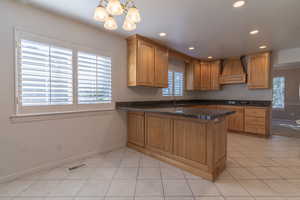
114,7
110,23
133,15
100,14
129,26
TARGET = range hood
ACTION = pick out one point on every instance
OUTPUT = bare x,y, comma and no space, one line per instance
233,71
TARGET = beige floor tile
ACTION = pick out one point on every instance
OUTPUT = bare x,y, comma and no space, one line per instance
179,198
239,198
81,173
230,187
241,173
88,198
14,188
203,188
263,173
149,162
130,162
285,172
283,187
122,188
209,198
257,188
119,198
94,188
172,173
149,188
149,173
225,175
126,173
103,173
67,188
191,176
176,188
40,188
149,198
55,174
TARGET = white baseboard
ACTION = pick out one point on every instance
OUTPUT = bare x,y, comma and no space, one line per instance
53,164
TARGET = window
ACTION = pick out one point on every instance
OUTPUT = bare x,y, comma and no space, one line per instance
278,92
169,91
175,84
45,74
55,77
94,79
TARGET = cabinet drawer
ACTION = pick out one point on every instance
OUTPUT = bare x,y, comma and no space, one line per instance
255,121
255,129
256,112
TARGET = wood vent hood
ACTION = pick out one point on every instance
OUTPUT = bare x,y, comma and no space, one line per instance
233,71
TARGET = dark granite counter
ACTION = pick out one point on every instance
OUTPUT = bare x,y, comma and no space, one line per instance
192,102
197,113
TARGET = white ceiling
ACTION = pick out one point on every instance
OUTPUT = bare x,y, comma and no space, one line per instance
214,27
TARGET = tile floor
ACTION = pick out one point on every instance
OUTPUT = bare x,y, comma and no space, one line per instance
257,169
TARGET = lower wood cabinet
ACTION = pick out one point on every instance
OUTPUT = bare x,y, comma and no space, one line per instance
159,133
190,141
257,120
235,122
136,128
198,146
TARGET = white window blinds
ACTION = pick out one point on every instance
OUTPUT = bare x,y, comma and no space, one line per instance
94,79
45,74
175,84
178,83
169,91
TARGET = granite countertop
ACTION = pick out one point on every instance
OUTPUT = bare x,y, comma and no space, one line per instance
197,113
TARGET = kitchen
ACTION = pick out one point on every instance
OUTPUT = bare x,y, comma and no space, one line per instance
168,112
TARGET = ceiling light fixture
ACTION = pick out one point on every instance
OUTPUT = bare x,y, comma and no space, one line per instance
191,48
254,32
107,9
162,34
263,47
238,4
210,57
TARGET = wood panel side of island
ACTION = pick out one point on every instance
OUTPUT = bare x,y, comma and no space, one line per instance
198,146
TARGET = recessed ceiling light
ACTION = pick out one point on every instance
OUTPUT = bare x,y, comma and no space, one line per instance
191,48
210,57
238,4
162,34
263,47
254,32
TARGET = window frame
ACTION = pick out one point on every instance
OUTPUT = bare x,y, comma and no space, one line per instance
284,97
48,109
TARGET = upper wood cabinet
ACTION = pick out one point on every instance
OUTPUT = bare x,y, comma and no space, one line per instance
147,63
233,72
259,71
205,80
215,70
203,75
192,75
161,67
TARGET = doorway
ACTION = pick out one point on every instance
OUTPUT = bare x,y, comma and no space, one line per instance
286,101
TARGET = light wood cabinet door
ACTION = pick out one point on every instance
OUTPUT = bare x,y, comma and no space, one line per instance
197,75
145,63
136,131
205,79
259,71
159,133
215,75
190,141
235,122
161,67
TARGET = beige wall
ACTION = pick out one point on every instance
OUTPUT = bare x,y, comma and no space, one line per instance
39,142
237,92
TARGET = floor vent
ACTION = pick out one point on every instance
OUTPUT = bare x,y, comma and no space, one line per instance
76,167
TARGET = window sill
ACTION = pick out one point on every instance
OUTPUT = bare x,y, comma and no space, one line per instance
19,118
